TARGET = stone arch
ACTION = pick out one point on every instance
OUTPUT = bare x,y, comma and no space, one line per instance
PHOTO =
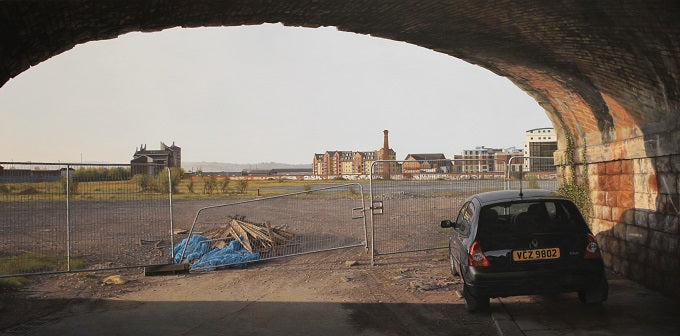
607,72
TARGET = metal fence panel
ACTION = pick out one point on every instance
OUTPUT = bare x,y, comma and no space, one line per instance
412,202
71,217
413,205
321,219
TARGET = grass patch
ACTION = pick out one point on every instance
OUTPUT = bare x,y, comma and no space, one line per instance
33,263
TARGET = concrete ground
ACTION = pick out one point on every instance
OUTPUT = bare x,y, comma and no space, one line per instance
630,310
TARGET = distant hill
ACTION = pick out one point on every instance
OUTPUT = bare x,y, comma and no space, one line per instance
235,167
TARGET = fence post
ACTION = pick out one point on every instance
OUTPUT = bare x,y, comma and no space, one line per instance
68,218
172,224
370,209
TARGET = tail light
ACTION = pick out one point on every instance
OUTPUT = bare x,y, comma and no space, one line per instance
592,248
475,256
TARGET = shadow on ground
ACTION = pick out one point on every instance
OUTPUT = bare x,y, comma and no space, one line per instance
114,317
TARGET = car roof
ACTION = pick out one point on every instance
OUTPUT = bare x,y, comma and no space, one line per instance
514,195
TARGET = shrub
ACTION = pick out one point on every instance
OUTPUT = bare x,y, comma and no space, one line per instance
144,181
5,189
72,186
224,186
307,187
242,186
163,182
190,185
28,191
210,185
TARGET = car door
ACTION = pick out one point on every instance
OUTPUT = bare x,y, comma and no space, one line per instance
461,231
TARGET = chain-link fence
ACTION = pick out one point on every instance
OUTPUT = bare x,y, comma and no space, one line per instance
320,219
409,203
68,217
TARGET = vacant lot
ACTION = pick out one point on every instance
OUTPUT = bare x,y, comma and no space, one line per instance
316,294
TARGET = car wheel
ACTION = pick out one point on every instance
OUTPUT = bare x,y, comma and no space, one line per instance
596,294
475,304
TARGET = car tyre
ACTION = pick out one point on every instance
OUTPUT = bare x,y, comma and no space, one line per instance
474,303
596,294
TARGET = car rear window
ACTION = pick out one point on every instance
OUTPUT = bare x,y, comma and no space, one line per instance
544,216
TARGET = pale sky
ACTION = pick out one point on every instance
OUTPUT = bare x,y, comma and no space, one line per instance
256,94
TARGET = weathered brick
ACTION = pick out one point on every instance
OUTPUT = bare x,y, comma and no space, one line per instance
613,167
671,225
663,164
641,217
627,182
667,183
636,235
627,167
626,199
675,163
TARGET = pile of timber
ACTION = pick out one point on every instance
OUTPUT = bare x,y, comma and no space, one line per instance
254,237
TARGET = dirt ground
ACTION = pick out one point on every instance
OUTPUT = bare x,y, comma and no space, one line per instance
315,294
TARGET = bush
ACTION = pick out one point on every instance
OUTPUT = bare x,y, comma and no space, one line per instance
72,186
307,187
190,185
210,185
144,181
29,191
224,186
242,186
163,183
5,189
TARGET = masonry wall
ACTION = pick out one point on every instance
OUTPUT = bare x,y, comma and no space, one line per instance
636,215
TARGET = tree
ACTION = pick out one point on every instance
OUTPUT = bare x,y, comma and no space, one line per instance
210,185
144,181
242,185
190,184
174,178
224,186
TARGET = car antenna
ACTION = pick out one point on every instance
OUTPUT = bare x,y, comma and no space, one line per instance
521,177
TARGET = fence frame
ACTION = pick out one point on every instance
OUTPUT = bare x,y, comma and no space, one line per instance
373,207
363,210
68,241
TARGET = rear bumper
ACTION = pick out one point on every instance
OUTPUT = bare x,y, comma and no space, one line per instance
482,282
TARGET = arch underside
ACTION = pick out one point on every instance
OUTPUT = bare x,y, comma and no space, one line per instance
598,76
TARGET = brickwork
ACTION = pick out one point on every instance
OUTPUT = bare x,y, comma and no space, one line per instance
636,214
607,72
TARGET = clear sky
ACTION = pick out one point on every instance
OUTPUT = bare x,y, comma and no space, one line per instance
256,94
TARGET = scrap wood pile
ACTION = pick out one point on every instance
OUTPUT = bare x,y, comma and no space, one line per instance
254,237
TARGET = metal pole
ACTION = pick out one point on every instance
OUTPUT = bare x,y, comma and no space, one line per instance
172,225
68,218
363,206
370,183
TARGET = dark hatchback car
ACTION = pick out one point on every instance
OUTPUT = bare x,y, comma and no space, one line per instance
508,243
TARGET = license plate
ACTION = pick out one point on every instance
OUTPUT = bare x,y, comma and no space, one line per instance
537,254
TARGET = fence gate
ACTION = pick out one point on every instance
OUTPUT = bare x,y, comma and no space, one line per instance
57,217
409,199
319,219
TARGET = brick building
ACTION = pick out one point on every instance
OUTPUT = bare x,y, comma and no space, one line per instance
151,162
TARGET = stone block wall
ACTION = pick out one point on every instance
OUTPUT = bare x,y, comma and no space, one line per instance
636,216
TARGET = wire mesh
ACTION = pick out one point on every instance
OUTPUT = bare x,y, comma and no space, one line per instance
69,217
320,219
425,192
415,203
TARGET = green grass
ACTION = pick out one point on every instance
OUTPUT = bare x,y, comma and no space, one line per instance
128,190
33,263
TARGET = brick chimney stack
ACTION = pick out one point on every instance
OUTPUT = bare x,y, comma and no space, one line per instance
386,145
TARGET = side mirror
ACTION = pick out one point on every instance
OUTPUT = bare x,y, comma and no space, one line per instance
448,224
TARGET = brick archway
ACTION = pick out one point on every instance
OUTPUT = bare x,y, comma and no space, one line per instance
606,72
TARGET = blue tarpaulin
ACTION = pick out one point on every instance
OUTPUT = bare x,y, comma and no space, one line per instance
199,250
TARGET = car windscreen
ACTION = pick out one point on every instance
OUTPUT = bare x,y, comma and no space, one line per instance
528,217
